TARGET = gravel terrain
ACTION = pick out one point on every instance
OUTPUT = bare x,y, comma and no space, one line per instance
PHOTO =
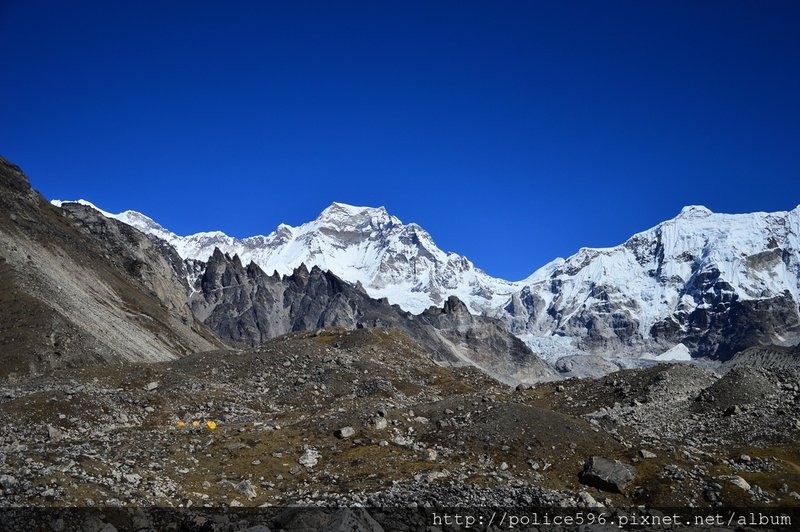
365,417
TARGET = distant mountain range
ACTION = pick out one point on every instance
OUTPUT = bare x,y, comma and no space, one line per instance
702,284
79,288
359,244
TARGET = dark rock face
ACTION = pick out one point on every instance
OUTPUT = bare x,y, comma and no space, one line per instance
729,328
605,327
246,306
479,340
723,323
607,475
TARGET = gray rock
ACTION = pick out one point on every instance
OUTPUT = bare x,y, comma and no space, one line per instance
733,410
644,453
739,482
586,499
246,488
60,241
8,483
345,432
150,386
607,475
772,357
584,365
309,458
53,433
379,423
402,440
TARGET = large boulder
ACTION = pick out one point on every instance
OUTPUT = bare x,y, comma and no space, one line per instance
607,475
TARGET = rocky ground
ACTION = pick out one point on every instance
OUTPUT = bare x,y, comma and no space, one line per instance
364,417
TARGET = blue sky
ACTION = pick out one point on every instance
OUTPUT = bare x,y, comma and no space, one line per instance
513,131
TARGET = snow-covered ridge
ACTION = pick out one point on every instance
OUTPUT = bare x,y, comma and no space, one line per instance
697,260
132,218
359,244
651,265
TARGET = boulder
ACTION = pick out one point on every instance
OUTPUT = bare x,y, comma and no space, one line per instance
8,483
309,458
246,488
607,475
345,432
739,482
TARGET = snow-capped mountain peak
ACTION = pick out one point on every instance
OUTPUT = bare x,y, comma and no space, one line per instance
364,245
694,211
350,215
697,279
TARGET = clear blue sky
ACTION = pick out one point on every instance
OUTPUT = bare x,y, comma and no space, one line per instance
513,131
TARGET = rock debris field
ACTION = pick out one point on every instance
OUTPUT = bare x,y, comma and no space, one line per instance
338,417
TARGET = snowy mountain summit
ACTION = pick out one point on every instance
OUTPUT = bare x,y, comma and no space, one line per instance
717,283
363,245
